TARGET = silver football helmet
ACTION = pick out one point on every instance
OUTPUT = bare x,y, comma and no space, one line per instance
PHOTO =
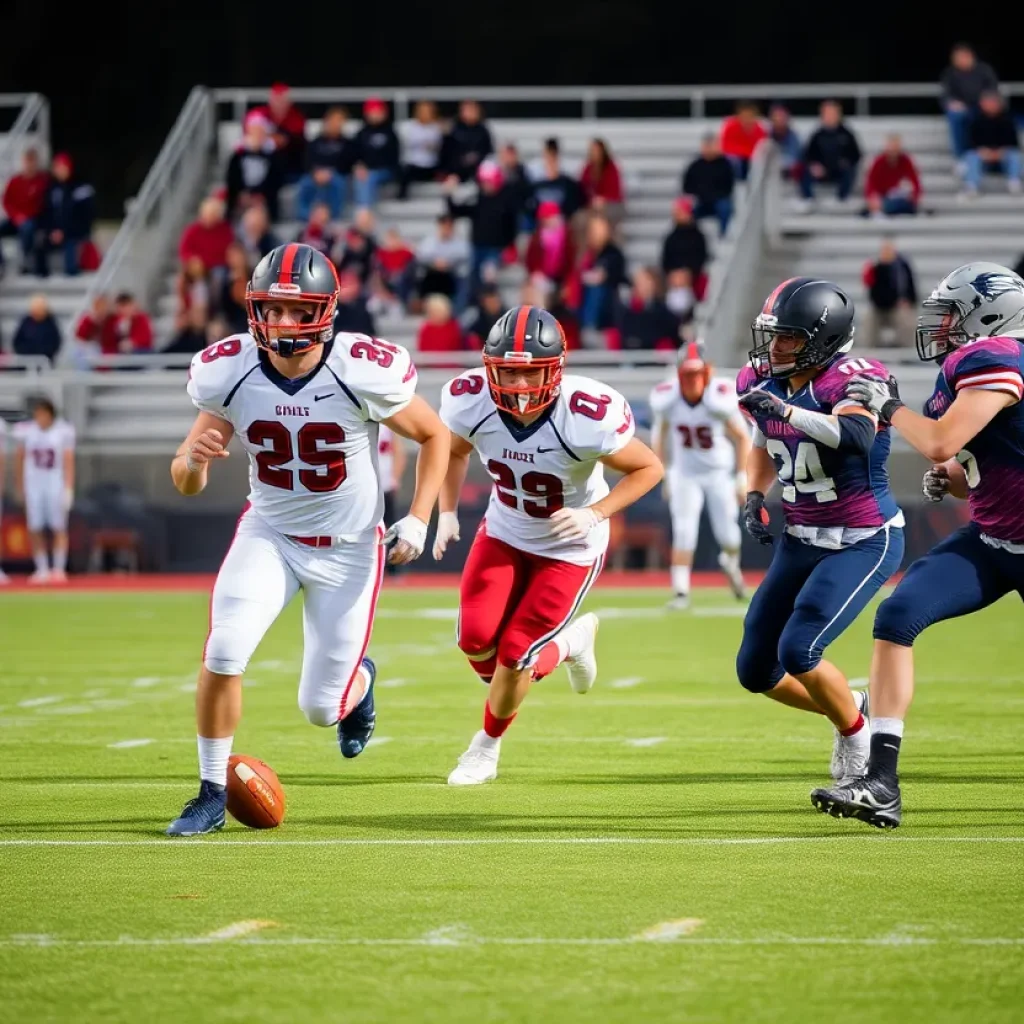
976,301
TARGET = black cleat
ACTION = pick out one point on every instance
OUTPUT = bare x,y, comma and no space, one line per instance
869,799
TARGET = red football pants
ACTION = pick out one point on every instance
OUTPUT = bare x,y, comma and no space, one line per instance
512,603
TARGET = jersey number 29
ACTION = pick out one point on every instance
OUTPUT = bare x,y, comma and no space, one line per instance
802,474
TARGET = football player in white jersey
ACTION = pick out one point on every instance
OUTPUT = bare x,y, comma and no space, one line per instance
44,476
3,476
699,430
391,460
545,439
306,405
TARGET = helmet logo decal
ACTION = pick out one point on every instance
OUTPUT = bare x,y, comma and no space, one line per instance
991,285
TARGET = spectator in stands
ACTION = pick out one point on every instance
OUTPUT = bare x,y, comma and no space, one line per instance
359,244
191,335
255,235
681,293
788,143
319,232
710,180
353,316
442,259
740,136
229,300
964,82
193,292
551,253
131,330
994,146
832,155
254,171
288,127
23,204
601,182
395,271
377,153
208,237
685,245
491,212
602,271
556,305
488,311
332,147
467,144
1019,268
645,322
519,186
91,329
38,333
67,217
893,298
440,331
553,185
893,186
421,147
322,184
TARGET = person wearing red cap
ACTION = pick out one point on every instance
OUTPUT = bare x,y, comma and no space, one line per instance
287,125
551,254
67,217
377,152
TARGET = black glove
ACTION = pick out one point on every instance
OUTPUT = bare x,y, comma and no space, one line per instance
755,518
882,397
764,404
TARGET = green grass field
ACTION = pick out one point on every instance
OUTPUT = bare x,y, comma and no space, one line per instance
649,851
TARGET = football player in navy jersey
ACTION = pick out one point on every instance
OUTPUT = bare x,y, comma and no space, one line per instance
973,433
843,535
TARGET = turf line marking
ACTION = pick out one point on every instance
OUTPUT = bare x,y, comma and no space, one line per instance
625,684
143,681
376,741
238,930
669,931
646,741
128,744
38,702
246,843
389,684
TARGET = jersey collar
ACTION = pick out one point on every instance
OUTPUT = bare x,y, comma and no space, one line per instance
292,385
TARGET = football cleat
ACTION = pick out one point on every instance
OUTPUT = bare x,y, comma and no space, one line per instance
849,761
355,730
679,603
203,814
734,575
478,764
581,662
870,799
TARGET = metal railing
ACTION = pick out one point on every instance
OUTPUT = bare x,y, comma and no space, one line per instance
31,127
589,99
155,217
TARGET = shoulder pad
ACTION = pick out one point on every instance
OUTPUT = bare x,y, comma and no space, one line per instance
745,380
465,401
830,385
987,364
598,420
380,374
217,369
663,396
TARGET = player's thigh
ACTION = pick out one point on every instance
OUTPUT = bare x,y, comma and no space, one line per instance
340,590
839,589
35,508
54,511
553,595
686,499
493,579
253,586
959,576
723,511
757,662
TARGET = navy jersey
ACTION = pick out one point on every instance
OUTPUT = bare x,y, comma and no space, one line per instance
994,458
822,486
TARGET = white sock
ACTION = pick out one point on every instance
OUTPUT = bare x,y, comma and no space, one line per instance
213,759
563,646
482,741
41,563
890,726
729,560
681,579
60,559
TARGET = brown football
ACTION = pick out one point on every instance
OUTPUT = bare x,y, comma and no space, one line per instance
255,796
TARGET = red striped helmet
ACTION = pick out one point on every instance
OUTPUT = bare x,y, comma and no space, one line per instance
525,339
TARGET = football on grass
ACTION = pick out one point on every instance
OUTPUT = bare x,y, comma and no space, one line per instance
255,796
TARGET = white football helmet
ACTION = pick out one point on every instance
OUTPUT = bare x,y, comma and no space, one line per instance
977,300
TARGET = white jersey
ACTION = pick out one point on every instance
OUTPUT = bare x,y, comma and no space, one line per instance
550,464
698,442
44,452
386,442
312,444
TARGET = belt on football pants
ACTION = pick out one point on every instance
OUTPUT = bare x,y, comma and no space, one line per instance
314,542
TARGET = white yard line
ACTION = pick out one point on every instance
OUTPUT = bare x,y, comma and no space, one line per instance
627,683
669,931
129,744
646,741
38,702
238,930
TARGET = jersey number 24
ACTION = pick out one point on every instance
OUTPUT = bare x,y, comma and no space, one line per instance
802,473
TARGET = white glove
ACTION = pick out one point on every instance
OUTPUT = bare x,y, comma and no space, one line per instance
935,483
409,537
447,530
575,523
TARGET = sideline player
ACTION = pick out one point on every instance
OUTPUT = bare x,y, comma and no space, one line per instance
305,405
391,461
843,536
973,432
545,439
44,478
709,448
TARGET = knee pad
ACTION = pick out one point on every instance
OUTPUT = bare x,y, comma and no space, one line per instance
684,531
512,650
754,672
219,656
895,620
797,655
318,712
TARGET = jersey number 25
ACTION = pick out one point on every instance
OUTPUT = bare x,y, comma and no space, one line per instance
327,470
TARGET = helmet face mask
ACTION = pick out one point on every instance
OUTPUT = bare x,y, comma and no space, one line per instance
693,371
524,356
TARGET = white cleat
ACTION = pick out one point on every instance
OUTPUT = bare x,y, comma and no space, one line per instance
4,578
40,576
58,576
679,603
479,764
850,753
581,661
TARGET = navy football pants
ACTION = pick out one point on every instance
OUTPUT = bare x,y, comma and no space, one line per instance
961,575
809,596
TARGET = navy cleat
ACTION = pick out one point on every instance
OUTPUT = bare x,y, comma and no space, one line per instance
870,799
203,814
355,730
